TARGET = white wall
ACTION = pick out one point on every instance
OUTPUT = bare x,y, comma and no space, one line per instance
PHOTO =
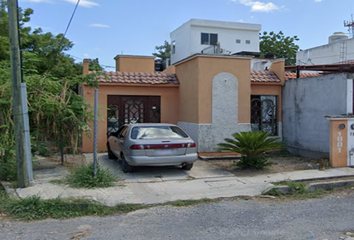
326,54
188,37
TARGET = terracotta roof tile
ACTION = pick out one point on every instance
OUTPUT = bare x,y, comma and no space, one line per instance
292,75
137,78
264,76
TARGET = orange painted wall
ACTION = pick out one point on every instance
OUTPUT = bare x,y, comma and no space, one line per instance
126,63
267,89
279,69
187,74
336,158
169,106
195,77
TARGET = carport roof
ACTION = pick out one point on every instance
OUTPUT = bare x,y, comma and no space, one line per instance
260,76
136,78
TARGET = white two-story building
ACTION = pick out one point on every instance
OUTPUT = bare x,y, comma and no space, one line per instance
208,36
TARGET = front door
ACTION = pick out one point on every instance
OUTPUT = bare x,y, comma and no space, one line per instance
132,109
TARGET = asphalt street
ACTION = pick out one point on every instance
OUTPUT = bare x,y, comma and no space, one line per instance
327,218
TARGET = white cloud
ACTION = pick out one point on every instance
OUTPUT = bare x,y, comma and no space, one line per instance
83,3
318,0
99,25
86,55
37,1
257,6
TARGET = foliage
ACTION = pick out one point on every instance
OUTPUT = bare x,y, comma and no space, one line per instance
35,208
164,51
83,177
251,145
279,45
56,112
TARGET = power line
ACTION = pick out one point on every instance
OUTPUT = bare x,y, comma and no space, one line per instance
69,23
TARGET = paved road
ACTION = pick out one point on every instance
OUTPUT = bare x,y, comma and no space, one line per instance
328,218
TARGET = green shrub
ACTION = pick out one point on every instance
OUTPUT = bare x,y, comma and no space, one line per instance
252,146
42,148
8,169
82,177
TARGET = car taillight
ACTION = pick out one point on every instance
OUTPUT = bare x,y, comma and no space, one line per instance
135,147
191,145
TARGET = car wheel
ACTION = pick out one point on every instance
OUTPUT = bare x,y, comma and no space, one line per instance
125,165
110,153
188,166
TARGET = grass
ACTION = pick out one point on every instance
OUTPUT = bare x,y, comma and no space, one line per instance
82,177
296,190
35,208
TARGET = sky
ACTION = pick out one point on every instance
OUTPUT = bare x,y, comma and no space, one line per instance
105,28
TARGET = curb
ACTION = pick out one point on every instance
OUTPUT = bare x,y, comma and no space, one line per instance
313,186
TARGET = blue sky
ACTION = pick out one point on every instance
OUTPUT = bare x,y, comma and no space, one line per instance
104,28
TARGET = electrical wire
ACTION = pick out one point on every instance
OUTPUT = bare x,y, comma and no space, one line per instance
69,23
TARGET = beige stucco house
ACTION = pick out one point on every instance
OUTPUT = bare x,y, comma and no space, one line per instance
209,96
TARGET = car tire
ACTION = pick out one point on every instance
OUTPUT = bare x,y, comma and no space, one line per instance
110,153
125,165
188,166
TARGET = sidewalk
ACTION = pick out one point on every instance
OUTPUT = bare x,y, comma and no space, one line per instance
159,185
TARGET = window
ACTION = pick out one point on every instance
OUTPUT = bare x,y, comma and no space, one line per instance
248,41
238,40
173,47
209,38
264,114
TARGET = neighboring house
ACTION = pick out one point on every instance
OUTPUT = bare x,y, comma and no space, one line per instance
340,49
210,37
209,96
306,102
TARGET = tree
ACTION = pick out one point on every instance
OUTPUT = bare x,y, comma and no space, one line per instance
57,114
280,46
164,51
251,145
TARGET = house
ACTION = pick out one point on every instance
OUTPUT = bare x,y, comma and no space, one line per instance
210,37
339,49
209,96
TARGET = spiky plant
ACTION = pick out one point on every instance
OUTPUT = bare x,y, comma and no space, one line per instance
252,146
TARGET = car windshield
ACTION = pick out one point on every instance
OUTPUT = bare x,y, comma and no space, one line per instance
155,132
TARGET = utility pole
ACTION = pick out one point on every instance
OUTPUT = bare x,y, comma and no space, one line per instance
17,110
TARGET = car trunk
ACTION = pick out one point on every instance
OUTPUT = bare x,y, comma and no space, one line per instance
166,148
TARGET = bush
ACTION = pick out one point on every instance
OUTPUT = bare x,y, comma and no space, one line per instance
42,149
254,162
82,177
252,146
8,169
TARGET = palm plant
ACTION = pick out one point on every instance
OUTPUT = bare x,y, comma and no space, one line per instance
252,146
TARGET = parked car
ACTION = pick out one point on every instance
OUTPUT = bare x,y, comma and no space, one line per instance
152,144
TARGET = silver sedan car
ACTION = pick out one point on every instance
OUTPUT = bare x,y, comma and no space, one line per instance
152,144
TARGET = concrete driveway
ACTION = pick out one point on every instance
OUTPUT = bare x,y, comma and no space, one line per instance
200,170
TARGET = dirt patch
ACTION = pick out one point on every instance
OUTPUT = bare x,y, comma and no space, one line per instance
71,161
281,164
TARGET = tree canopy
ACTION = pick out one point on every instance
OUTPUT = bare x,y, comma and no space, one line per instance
279,45
58,115
164,51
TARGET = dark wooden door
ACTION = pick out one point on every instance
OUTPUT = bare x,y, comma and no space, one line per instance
132,109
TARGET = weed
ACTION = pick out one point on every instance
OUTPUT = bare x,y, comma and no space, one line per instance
185,203
274,192
297,188
82,177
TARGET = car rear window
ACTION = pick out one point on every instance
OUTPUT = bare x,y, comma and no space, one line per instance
155,132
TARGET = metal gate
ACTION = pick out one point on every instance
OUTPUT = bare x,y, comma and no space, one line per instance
264,114
132,109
